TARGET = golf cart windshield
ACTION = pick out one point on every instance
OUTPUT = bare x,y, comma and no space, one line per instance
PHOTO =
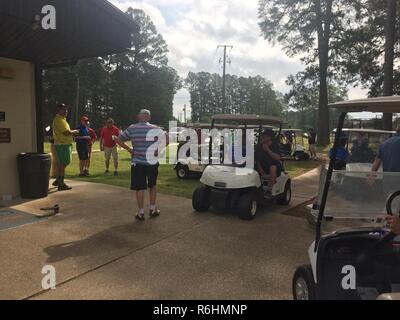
243,122
363,146
358,199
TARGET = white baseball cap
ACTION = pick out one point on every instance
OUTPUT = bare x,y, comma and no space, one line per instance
145,111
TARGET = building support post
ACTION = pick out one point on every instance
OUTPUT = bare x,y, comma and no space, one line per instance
39,108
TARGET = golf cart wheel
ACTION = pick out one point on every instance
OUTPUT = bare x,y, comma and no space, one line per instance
247,206
303,284
182,172
285,198
201,199
305,156
298,156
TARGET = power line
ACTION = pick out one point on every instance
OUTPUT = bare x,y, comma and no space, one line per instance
224,61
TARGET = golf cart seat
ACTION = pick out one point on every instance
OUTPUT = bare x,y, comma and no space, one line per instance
361,154
339,165
286,148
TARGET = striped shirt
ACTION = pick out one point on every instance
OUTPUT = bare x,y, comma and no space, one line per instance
143,136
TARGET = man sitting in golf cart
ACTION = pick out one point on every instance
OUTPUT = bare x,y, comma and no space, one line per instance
268,158
360,151
342,154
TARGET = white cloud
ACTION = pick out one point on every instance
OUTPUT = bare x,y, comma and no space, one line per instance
147,6
187,63
357,93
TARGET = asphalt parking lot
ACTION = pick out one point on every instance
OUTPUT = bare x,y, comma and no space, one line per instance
100,251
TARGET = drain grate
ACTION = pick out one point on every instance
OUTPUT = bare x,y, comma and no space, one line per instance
11,218
5,213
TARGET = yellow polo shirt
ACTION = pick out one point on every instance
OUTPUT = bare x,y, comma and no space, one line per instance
60,125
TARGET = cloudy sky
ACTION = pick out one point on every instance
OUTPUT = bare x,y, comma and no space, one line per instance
194,28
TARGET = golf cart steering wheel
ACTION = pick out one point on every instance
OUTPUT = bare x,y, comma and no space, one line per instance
389,202
390,236
389,211
364,261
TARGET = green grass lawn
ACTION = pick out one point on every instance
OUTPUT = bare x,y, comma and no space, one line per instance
168,183
96,146
297,168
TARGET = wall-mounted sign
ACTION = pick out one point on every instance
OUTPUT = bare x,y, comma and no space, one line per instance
7,73
2,116
5,135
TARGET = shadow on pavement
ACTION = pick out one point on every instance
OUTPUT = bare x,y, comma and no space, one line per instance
118,237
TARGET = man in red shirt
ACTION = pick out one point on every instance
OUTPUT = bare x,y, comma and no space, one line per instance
108,137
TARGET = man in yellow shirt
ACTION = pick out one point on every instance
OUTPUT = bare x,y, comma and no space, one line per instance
63,139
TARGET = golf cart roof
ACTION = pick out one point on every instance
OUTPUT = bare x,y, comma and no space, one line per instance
218,126
366,130
197,125
292,130
248,119
380,104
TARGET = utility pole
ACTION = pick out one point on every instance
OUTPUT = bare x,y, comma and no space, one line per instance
224,60
390,35
184,113
76,115
108,87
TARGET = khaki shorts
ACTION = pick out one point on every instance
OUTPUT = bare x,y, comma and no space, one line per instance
108,152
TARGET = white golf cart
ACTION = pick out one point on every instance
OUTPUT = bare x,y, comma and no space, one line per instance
292,144
353,256
187,167
238,187
191,166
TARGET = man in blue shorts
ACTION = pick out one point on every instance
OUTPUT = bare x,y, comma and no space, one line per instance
144,171
82,146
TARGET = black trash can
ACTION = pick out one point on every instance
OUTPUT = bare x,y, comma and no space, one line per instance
34,174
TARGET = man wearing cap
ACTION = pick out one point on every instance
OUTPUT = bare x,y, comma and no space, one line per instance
312,143
63,139
83,140
108,144
144,171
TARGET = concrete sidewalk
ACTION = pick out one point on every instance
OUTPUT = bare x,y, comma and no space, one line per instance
101,252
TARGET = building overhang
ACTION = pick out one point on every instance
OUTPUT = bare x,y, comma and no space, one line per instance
84,28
